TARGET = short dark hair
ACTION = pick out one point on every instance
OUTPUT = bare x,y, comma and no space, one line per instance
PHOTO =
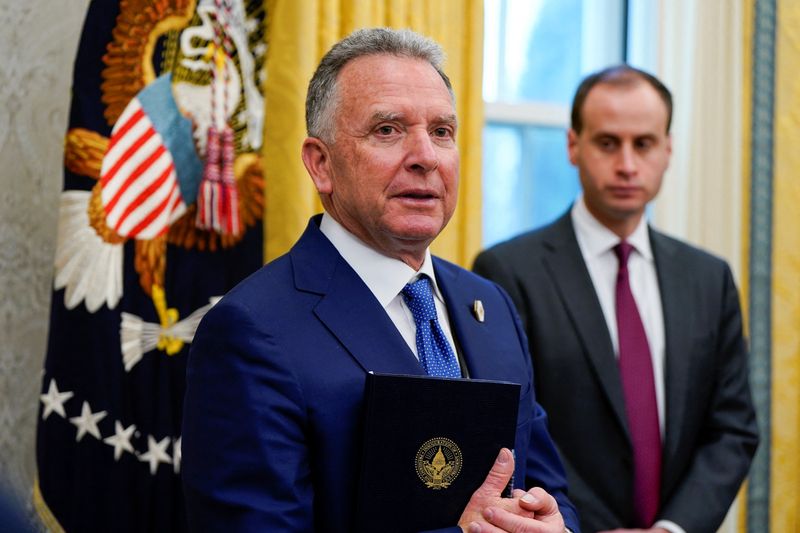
618,75
321,99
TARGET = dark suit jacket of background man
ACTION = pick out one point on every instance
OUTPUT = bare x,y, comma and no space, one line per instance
278,367
710,430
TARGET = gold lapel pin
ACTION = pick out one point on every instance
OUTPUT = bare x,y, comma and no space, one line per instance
477,310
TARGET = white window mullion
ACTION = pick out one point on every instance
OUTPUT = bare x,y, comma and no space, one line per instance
530,114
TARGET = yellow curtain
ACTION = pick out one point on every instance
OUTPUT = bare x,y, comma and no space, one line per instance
785,470
781,432
300,32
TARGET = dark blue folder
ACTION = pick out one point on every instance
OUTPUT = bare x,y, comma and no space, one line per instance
428,444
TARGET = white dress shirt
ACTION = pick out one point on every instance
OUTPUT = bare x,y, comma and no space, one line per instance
385,277
597,247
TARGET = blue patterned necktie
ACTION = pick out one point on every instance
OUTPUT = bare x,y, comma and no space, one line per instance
435,353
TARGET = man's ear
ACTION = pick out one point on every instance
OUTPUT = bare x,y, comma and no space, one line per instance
316,158
572,146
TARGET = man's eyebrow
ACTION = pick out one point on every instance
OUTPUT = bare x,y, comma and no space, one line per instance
380,116
449,118
608,134
605,134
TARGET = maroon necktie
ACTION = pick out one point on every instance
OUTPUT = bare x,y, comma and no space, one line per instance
636,369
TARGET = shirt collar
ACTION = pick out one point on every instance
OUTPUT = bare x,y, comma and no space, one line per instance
383,275
595,239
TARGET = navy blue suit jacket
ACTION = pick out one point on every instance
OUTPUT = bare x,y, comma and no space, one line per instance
275,384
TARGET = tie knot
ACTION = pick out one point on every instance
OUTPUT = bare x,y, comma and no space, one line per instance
623,251
419,299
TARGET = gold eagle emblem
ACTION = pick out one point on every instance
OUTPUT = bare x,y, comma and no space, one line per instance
438,462
171,36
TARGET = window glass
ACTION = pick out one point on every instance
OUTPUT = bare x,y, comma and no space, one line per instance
513,202
536,52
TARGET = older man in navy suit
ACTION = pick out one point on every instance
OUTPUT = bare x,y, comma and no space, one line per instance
277,369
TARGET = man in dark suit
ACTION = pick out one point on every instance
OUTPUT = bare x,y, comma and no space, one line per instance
636,338
276,374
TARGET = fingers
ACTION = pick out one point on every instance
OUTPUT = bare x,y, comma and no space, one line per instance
484,527
474,527
504,520
499,475
472,520
534,511
539,501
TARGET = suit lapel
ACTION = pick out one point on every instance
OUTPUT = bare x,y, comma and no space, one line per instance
474,338
566,267
676,303
348,308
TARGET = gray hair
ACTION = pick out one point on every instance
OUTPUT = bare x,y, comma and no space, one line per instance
322,90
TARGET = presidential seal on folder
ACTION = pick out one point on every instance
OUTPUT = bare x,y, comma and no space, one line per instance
438,463
428,445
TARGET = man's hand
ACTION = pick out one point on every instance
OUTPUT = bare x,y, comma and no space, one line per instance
650,530
534,511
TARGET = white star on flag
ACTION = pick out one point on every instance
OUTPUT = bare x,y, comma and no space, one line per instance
176,455
156,453
87,422
54,400
121,440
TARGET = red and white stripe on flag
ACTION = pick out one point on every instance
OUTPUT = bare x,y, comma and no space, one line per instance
140,192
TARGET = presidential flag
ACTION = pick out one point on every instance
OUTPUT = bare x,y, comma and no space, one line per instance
141,195
160,215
